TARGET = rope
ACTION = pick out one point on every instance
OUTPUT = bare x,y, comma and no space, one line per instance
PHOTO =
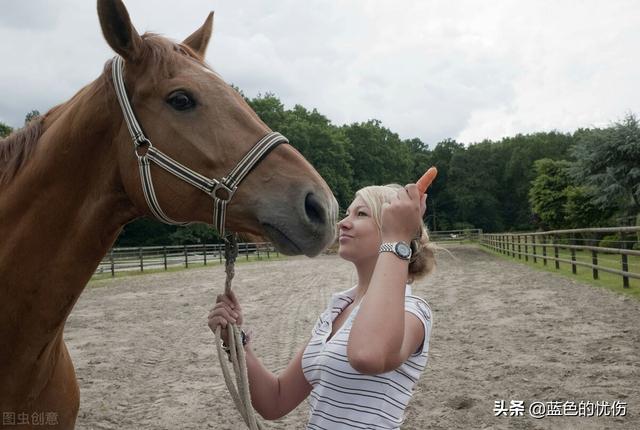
239,391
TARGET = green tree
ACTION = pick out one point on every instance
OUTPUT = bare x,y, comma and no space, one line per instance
5,130
474,175
440,196
31,115
146,232
608,161
547,195
270,110
194,234
580,210
379,156
325,146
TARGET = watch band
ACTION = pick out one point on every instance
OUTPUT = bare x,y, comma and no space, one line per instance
388,247
394,247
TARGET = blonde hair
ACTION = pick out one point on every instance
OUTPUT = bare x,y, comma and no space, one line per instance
423,259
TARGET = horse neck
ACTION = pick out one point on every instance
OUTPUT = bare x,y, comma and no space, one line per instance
58,217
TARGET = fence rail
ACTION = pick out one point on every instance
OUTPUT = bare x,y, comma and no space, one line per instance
139,259
547,246
455,235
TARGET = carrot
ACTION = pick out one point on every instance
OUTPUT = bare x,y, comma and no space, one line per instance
425,181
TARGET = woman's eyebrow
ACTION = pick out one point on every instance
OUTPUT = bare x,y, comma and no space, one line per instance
357,207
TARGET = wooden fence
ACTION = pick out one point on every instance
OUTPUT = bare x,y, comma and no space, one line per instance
546,246
163,257
473,235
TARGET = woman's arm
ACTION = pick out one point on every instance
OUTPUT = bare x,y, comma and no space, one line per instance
272,396
275,396
383,335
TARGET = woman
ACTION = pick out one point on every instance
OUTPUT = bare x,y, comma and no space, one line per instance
370,345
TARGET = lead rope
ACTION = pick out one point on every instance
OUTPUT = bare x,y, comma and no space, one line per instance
240,390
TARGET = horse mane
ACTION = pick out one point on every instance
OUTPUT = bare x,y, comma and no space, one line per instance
16,148
19,146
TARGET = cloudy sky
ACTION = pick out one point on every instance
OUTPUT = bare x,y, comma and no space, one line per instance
440,69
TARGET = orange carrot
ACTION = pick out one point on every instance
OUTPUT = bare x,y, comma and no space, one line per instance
425,181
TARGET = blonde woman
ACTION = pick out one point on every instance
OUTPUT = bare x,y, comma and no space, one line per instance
369,347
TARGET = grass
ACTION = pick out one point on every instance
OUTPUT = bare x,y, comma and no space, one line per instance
100,278
584,274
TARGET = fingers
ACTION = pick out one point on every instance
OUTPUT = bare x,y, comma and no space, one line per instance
223,311
423,205
413,192
224,298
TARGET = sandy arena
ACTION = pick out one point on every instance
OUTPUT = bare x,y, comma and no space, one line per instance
145,358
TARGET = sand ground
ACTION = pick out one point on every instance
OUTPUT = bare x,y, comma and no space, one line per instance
145,358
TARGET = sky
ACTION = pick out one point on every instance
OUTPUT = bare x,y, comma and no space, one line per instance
467,69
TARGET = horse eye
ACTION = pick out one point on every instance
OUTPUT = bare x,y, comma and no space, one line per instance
179,100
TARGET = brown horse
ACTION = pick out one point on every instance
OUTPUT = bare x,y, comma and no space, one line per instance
69,182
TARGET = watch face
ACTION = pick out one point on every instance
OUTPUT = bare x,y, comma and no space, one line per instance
403,250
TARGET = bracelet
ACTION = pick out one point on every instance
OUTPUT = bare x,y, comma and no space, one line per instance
245,339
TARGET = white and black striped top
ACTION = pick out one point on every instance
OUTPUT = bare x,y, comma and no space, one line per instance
343,398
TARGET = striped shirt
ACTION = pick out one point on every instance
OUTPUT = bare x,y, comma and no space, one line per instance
343,398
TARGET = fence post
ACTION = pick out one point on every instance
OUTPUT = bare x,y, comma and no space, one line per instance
164,256
573,261
186,257
113,267
246,250
204,248
219,246
625,268
594,261
519,249
513,246
555,251
544,250
533,239
526,248
141,260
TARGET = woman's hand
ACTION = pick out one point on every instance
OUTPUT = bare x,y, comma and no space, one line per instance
402,217
226,311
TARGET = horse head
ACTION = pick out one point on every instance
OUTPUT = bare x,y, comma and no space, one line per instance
190,114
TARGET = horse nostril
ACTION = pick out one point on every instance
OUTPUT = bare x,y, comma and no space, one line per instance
314,209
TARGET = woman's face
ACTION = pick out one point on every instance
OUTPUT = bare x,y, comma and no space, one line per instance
359,236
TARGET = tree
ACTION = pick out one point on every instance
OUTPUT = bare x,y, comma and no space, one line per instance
547,194
474,175
31,115
5,130
580,210
608,161
194,234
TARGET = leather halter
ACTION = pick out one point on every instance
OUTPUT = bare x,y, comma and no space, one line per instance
221,190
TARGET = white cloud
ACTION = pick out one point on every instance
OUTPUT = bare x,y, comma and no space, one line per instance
429,69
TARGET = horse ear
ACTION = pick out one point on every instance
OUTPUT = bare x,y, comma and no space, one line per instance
116,25
199,40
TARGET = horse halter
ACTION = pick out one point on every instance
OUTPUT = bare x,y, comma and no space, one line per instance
221,190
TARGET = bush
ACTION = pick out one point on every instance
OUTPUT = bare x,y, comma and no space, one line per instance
611,241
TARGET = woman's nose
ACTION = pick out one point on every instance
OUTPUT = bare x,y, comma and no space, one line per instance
344,223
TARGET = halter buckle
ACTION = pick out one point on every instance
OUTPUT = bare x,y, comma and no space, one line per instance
222,192
142,142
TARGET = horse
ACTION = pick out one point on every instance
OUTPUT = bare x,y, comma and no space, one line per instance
71,179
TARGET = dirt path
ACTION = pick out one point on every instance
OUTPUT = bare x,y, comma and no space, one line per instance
145,358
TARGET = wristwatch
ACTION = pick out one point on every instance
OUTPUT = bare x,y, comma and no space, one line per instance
401,249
